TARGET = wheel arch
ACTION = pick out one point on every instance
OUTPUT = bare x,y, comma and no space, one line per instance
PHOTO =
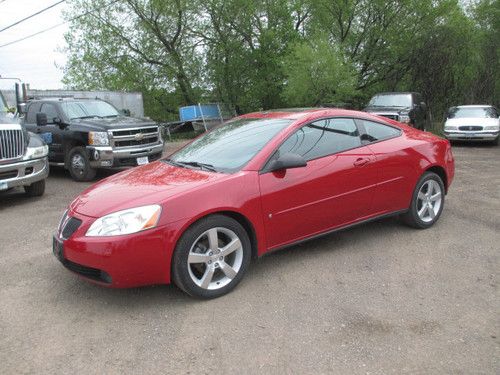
441,172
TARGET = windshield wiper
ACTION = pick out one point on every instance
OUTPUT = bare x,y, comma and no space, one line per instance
196,164
85,117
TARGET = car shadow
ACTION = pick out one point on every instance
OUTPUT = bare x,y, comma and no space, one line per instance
475,144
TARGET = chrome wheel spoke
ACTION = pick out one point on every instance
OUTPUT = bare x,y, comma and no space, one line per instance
207,277
213,239
228,270
230,247
436,196
432,214
421,212
198,258
421,195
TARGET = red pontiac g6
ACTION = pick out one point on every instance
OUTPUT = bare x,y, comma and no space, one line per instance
257,183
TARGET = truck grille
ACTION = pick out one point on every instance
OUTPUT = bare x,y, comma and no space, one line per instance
135,137
470,128
11,144
392,117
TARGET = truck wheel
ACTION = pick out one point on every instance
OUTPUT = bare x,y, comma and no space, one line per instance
79,165
36,189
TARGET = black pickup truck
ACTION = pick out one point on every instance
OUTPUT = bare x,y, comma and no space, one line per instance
84,135
406,107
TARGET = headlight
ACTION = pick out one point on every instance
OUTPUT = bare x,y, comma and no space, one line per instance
98,138
492,127
126,221
36,152
448,128
404,118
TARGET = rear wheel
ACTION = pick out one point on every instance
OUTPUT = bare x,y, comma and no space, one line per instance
79,165
427,202
36,189
211,257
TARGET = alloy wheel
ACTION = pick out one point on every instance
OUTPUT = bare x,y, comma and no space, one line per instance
215,258
429,200
78,164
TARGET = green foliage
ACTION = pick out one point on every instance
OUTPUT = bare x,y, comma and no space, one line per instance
257,55
317,75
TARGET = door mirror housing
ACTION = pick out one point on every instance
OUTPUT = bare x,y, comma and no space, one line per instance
41,119
286,161
423,106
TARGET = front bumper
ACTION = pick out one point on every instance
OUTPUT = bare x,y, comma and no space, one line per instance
471,136
108,157
117,261
23,173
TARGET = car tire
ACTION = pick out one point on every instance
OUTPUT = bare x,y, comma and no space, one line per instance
496,141
36,189
427,202
211,257
79,165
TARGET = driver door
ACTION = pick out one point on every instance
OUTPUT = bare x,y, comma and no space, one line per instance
334,189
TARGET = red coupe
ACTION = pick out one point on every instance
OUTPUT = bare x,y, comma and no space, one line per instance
257,183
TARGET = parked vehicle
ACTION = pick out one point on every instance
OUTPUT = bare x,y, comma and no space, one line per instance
406,107
84,135
257,183
472,123
23,156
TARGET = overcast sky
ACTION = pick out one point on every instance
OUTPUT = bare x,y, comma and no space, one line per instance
33,60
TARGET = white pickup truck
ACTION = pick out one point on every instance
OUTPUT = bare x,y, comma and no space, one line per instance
23,155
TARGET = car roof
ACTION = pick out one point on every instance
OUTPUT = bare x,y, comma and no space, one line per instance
395,93
55,99
303,113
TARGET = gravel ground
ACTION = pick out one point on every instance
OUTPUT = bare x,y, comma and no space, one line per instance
377,299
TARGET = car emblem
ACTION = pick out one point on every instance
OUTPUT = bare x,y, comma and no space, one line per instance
139,137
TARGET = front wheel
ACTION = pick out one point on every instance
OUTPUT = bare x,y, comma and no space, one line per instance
427,202
211,257
36,189
79,165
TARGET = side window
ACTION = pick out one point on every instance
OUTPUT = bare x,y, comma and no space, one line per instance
50,111
321,138
31,111
377,132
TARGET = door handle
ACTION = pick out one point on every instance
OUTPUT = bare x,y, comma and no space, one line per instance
360,162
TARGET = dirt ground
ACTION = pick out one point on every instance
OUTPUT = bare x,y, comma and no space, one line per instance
377,299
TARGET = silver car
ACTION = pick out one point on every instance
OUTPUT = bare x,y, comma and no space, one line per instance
472,123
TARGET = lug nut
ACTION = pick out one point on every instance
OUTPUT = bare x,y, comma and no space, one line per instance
210,253
221,258
216,264
209,262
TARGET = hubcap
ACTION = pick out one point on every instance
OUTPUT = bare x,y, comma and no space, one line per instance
429,201
215,258
78,163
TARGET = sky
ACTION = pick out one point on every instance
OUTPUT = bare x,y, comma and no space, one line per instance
35,60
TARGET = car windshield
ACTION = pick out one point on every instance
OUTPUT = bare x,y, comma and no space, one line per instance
399,100
230,146
472,112
88,109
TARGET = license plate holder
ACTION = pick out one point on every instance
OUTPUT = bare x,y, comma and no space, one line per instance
142,160
3,186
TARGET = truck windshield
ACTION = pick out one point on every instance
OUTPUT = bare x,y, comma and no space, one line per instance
472,112
230,146
397,100
88,109
3,104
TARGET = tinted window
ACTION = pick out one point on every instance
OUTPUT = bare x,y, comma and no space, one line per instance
471,112
322,138
50,111
88,109
230,146
376,132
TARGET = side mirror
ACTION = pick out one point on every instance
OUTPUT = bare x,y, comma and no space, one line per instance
41,119
12,110
125,112
286,161
423,106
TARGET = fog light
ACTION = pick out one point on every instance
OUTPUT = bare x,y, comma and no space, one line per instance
96,155
106,163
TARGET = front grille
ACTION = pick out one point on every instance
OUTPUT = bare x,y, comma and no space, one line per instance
11,143
88,272
8,175
135,137
392,117
72,224
470,128
128,143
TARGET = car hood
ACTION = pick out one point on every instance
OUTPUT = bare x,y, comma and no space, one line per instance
387,109
150,184
113,122
471,121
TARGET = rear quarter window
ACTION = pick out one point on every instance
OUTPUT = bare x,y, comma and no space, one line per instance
374,131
